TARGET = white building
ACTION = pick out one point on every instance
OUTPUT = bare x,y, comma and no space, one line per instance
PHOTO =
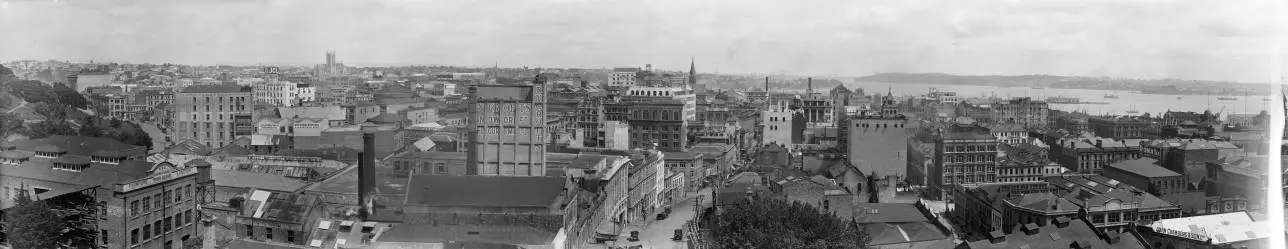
295,127
777,124
306,93
617,135
284,93
624,76
684,94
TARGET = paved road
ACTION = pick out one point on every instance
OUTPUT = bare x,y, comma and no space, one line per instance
657,233
158,137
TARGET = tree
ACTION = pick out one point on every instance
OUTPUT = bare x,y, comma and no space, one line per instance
32,224
775,223
77,211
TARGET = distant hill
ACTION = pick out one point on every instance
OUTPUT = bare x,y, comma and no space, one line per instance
1153,86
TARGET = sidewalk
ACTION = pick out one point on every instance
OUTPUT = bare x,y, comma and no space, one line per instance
656,234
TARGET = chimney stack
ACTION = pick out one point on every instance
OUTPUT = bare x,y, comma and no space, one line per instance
809,84
366,174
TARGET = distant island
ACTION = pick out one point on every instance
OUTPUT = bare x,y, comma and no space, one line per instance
1147,86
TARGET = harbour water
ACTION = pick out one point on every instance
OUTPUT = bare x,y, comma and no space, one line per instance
1154,104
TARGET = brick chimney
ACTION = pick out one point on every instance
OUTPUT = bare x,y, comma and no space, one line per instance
366,174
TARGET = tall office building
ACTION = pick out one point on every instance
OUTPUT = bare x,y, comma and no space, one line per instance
213,115
507,133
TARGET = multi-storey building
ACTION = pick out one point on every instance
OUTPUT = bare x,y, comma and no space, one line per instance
1117,127
591,120
779,124
1246,177
624,76
873,144
1024,111
141,204
213,115
658,122
682,94
1108,204
1146,174
963,155
1191,157
278,93
507,133
616,135
1091,155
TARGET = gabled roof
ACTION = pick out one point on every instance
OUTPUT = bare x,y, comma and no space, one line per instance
74,145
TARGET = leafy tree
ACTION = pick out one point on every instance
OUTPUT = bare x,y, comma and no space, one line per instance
49,128
10,124
775,223
77,211
32,224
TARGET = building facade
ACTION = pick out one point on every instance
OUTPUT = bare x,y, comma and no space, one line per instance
213,115
507,133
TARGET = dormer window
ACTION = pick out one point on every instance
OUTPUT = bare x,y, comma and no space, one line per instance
50,151
13,157
71,163
107,157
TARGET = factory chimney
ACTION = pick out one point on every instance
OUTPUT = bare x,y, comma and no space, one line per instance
366,174
766,84
809,84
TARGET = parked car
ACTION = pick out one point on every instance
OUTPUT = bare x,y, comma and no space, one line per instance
665,213
635,236
679,235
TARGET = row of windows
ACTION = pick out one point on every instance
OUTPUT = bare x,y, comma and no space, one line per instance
158,201
221,99
160,227
969,148
268,233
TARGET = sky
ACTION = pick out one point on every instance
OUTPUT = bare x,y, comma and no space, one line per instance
1204,40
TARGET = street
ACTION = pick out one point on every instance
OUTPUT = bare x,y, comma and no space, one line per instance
657,234
158,137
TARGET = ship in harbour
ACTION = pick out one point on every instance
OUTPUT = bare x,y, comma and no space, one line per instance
1063,100
1227,98
1111,96
1071,100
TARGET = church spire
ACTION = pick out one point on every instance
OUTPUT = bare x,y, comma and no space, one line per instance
693,73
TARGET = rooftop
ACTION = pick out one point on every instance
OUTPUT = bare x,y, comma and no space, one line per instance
97,174
1052,236
1220,228
1145,167
242,179
223,88
484,191
74,145
496,235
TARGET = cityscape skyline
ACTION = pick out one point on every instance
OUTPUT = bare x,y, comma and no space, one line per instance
1140,39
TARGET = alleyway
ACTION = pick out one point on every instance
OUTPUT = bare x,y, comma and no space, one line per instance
656,234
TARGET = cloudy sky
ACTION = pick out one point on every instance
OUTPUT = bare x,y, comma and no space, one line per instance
1216,40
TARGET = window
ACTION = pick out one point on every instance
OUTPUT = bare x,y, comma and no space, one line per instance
187,191
147,204
147,232
168,224
178,220
157,200
156,227
167,196
268,233
134,208
134,236
187,216
290,236
250,231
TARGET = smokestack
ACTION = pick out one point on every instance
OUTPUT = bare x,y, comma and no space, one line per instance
766,84
366,174
809,84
